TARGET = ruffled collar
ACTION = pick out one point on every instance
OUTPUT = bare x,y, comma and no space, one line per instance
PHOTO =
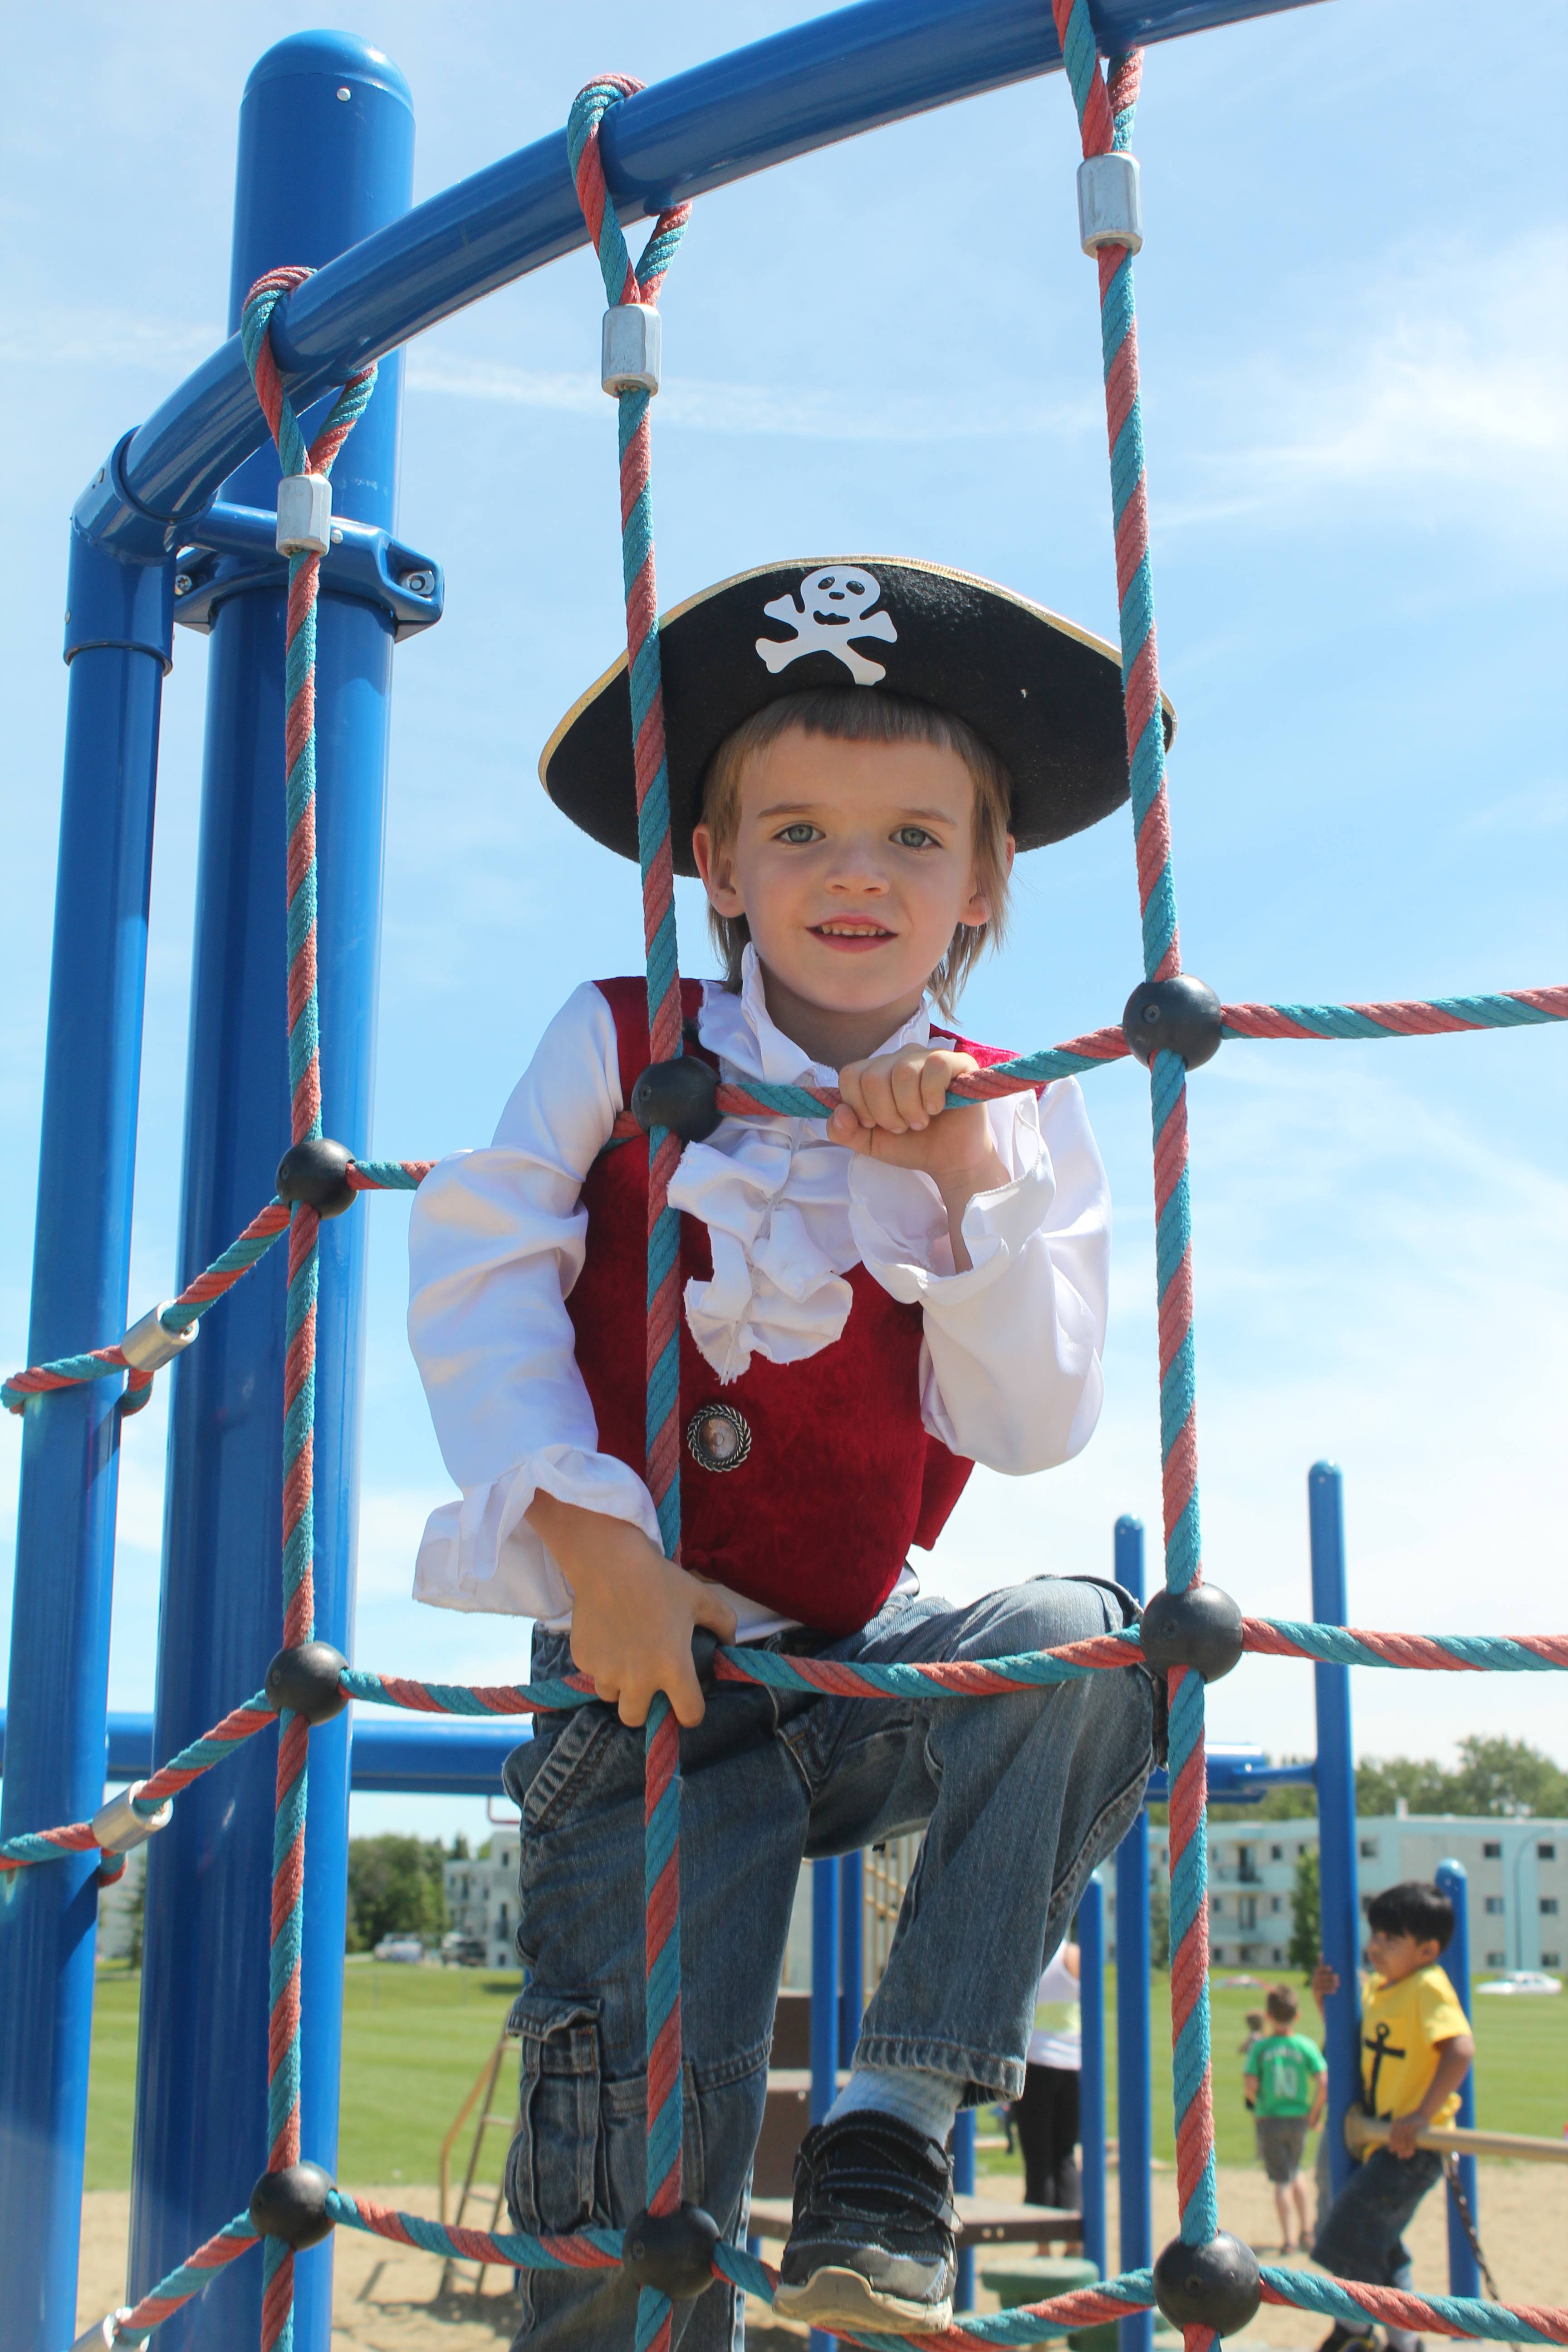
775,1199
739,1028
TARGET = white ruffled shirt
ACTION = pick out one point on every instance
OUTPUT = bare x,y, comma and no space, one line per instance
1010,1361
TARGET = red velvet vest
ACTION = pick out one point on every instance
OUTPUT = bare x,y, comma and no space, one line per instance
840,1476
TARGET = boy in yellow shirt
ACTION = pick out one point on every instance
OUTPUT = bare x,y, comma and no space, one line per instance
1415,2050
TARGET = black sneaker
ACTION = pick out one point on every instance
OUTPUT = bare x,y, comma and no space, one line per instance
1340,2338
871,2244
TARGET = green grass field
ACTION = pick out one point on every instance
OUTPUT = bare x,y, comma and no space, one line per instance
415,2039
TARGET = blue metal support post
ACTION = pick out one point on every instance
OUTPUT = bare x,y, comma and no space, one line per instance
964,2183
1339,1896
1134,2105
823,1987
1091,2077
118,631
1464,2270
851,1953
824,1887
325,158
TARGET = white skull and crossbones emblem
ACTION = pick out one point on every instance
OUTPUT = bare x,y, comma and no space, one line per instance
831,610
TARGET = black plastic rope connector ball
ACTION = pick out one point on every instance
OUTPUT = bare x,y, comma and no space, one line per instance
1173,1017
315,1175
1218,2285
292,2204
681,1095
671,2251
307,1680
1201,1627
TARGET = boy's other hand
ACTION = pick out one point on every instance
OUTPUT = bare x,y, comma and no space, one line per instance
1325,1982
1402,2133
633,1612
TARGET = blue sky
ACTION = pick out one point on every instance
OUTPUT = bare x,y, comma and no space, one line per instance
1350,307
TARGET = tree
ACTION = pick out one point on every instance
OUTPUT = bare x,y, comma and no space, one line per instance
1499,1779
1306,1913
396,1886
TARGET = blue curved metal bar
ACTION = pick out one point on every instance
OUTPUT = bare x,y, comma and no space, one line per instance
844,73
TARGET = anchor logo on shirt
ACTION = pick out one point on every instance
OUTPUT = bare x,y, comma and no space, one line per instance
1378,2043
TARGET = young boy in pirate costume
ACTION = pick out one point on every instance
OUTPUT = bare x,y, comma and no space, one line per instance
869,1309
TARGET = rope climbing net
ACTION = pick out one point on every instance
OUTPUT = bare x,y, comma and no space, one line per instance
1205,2281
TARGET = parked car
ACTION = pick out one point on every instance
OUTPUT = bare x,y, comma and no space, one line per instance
461,1950
400,1948
1523,1981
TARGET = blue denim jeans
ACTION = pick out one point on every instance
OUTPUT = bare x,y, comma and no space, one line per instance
1020,1797
1363,2236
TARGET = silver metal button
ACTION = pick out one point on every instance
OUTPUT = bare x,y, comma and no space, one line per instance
719,1437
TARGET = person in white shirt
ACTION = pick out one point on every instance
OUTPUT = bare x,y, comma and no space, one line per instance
870,1305
1047,2114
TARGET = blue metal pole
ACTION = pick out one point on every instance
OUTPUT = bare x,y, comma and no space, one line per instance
823,1987
964,2182
325,158
1464,2270
1091,2080
824,1887
1338,1892
851,1954
118,629
1135,2098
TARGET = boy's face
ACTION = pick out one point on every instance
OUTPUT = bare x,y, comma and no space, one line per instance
853,864
1396,1956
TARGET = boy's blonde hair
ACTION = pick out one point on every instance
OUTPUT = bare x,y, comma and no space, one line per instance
856,714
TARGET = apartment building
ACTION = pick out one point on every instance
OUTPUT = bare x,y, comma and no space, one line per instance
1517,1874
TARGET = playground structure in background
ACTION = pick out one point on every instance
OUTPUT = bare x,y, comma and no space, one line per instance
325,151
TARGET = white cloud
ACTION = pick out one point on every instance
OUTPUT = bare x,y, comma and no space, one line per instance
752,409
72,336
1443,375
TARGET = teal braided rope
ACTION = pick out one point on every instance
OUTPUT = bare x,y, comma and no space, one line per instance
192,2277
624,285
1105,120
304,1257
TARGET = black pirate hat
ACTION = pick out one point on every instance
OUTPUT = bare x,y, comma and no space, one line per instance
1046,696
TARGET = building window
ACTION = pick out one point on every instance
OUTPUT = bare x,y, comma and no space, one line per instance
1369,1848
1492,1850
1552,1960
1546,1851
1494,1906
1276,1853
1495,1959
1248,1907
1549,1906
1276,1903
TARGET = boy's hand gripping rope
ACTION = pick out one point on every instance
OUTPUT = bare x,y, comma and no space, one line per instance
304,1255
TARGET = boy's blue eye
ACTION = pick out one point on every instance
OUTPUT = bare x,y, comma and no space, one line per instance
915,837
799,833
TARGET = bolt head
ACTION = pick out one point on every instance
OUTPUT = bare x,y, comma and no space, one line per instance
1218,2285
305,1679
183,584
315,1174
1201,1627
292,2204
1173,1017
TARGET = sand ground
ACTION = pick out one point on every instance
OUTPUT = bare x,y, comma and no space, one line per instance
391,2299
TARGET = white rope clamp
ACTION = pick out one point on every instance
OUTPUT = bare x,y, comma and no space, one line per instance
630,348
105,2335
118,1827
147,1346
304,515
1109,202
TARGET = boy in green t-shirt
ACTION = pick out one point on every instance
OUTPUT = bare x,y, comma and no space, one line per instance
1286,2086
